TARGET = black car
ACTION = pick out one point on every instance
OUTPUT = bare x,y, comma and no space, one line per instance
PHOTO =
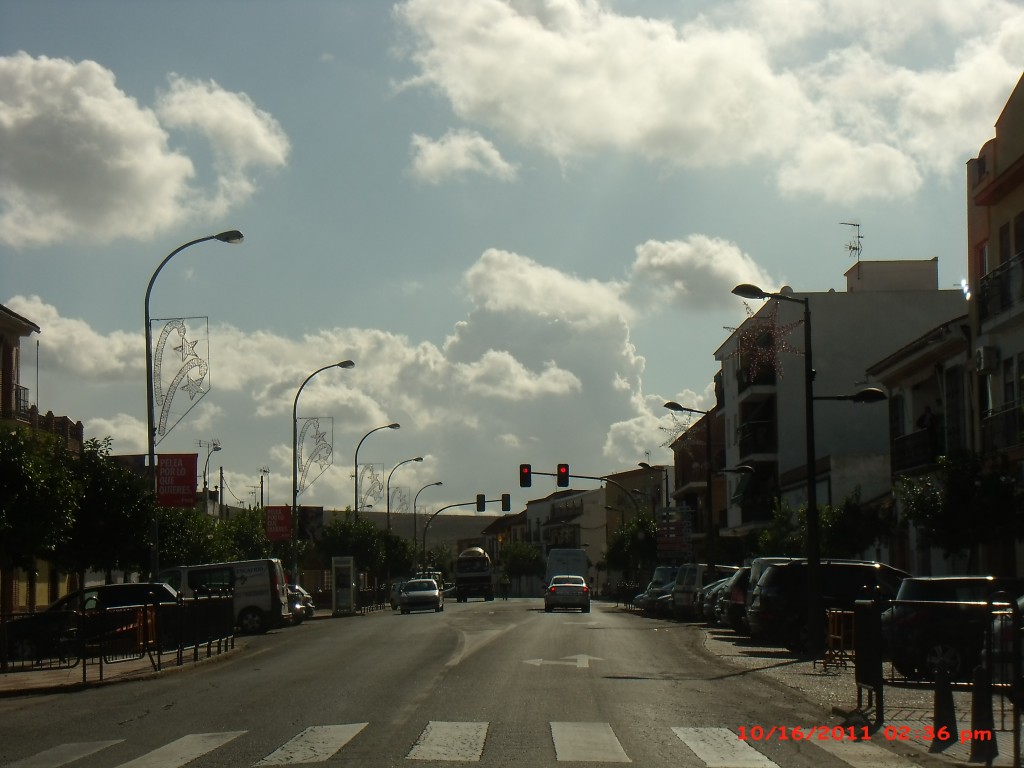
81,620
939,622
734,601
778,609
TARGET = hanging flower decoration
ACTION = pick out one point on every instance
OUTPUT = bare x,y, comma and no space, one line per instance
762,339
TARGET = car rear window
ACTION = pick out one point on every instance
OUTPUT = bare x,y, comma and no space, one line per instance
955,590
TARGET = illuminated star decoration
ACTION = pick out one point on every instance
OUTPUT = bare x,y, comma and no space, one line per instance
762,339
190,376
321,454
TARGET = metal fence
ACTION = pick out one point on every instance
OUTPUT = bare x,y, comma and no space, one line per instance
161,633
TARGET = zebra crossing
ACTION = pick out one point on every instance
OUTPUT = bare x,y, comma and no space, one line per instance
439,741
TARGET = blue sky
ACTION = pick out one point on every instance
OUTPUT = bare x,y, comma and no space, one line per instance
521,219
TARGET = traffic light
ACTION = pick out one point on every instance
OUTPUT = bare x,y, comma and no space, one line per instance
563,476
481,502
506,502
525,476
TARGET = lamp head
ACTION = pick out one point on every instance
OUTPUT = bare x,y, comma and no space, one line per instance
870,395
346,364
418,458
232,236
394,425
748,291
672,405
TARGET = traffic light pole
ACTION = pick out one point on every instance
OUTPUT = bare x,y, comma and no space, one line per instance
504,505
636,504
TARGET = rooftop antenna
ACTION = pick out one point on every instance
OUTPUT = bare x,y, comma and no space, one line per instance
854,246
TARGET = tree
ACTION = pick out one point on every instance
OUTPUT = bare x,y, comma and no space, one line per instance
114,514
244,535
189,536
38,499
784,536
520,558
633,548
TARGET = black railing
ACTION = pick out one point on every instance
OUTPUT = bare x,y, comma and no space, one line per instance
918,449
1001,428
1002,288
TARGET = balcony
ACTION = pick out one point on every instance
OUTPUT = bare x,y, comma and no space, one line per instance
1002,289
914,451
751,376
758,438
1001,428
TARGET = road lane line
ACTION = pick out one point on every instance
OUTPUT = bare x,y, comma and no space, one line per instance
587,742
182,751
721,748
316,744
462,742
63,754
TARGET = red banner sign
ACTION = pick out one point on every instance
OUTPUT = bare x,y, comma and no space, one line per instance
176,479
279,523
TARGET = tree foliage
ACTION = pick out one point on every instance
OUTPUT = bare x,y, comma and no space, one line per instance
520,558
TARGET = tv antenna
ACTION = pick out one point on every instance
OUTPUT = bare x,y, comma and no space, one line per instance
854,246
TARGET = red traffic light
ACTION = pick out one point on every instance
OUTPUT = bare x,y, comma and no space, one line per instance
563,476
525,476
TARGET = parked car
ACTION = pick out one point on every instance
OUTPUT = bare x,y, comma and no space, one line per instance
707,599
939,622
651,599
998,657
757,567
420,595
567,592
734,601
690,578
778,611
78,621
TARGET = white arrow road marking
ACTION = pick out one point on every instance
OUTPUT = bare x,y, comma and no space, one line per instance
580,661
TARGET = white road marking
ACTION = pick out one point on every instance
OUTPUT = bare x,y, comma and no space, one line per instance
587,742
183,751
63,754
316,744
461,742
580,661
721,748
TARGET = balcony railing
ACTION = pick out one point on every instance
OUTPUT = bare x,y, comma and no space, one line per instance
749,376
916,450
758,437
1001,428
1002,288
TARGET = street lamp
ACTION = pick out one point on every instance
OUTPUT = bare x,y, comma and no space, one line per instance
295,463
815,605
231,236
414,499
709,515
211,448
388,486
355,490
664,471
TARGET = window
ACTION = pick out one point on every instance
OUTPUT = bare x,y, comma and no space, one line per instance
1009,383
209,580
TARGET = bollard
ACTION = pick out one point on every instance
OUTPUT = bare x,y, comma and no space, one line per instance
983,750
944,728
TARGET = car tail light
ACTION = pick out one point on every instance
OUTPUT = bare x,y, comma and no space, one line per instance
551,589
586,589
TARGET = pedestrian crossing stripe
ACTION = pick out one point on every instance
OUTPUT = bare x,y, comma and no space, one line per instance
442,741
314,745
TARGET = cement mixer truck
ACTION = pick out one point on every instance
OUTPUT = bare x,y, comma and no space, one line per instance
473,575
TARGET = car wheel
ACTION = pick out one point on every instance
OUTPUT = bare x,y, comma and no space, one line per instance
585,609
24,649
251,621
548,609
942,656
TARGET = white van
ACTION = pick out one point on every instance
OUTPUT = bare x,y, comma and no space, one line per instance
690,578
258,588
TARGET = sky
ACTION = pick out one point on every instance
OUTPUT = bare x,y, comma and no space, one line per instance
521,219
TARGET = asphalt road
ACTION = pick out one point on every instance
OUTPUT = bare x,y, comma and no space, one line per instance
499,683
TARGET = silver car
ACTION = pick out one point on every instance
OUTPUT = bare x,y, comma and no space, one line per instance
420,595
567,592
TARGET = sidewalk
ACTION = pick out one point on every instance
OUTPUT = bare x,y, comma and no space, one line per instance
24,682
909,711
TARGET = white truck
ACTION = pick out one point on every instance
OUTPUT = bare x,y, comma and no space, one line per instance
567,562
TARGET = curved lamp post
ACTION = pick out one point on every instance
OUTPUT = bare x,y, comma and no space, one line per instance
388,486
355,475
815,609
295,463
414,499
212,447
709,514
230,236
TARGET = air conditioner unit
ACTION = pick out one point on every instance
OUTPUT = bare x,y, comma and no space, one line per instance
986,359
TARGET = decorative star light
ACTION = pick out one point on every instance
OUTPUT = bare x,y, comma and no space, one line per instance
762,339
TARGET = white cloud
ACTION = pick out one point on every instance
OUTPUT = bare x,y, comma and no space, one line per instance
82,160
458,153
823,80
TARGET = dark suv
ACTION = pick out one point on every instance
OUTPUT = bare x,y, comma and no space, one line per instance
778,608
940,622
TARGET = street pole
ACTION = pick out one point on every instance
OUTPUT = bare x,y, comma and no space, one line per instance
230,236
355,474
